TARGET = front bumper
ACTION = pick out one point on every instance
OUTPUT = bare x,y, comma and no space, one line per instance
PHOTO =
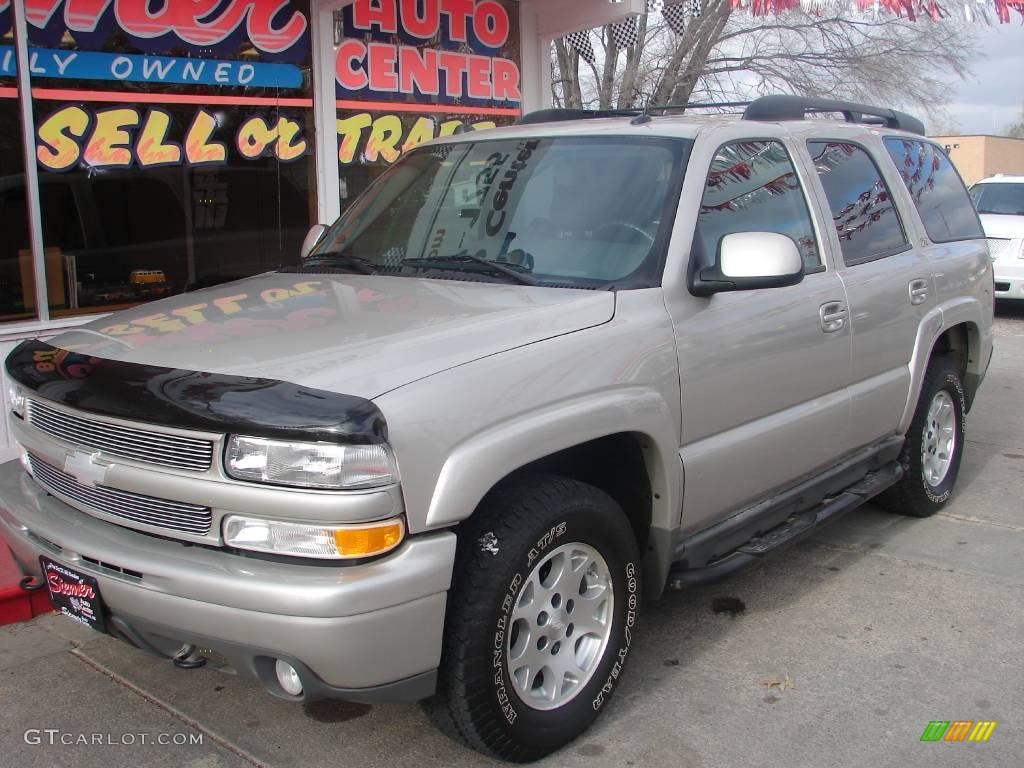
1009,279
365,632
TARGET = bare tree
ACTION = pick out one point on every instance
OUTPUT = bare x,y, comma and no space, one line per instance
1015,130
726,54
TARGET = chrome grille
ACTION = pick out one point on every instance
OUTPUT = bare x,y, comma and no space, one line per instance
133,507
1000,247
141,445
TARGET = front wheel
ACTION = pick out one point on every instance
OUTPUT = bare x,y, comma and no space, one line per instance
540,620
934,444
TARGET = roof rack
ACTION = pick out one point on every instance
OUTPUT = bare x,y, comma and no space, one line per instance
783,107
558,114
766,109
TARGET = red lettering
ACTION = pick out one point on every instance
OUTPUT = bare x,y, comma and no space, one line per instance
348,52
60,587
425,26
478,80
506,80
189,20
490,23
381,63
367,14
459,12
453,64
417,70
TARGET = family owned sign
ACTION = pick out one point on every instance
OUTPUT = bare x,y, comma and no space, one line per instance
142,68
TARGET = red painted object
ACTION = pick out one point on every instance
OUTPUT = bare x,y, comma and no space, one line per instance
15,603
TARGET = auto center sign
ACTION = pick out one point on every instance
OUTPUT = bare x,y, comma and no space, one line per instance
430,51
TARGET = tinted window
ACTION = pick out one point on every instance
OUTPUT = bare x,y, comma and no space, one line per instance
578,211
752,186
937,190
866,219
1001,198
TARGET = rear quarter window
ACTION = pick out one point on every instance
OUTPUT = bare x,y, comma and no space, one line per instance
937,190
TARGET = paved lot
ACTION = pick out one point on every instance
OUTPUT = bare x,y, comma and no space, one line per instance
880,622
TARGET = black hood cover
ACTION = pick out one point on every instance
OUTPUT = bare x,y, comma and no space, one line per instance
212,402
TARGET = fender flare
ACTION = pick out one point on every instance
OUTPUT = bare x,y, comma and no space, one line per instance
469,471
961,311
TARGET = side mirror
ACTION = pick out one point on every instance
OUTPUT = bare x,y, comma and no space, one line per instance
749,260
316,232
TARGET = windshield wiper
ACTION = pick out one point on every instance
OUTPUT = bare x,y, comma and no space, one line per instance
339,260
465,256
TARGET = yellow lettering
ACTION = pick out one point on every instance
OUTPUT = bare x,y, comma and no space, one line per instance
198,147
58,150
108,147
152,147
350,129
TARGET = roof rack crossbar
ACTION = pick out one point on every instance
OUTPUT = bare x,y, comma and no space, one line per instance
786,107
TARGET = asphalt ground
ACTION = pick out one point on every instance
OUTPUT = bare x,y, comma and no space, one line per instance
837,652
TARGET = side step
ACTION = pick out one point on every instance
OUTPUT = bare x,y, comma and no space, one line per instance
792,529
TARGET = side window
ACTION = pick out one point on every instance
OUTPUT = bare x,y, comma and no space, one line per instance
753,187
937,190
865,216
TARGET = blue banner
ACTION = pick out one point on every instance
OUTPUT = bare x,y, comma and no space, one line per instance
135,68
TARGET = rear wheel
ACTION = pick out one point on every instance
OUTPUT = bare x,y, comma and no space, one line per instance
540,619
934,445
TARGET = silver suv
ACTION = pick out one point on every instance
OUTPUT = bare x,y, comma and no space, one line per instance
530,378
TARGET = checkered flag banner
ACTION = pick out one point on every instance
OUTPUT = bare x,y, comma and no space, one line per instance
624,33
696,8
580,42
675,16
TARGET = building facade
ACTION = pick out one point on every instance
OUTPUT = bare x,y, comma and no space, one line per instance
977,157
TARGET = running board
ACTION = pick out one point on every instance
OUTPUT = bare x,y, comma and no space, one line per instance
791,530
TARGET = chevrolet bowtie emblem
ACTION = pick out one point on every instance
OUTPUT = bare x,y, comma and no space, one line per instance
83,467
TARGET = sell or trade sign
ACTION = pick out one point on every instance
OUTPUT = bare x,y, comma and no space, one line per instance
134,68
132,136
441,51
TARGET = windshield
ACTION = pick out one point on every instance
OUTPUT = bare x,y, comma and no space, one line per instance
999,197
582,212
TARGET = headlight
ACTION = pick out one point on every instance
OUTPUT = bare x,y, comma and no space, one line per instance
309,465
324,542
15,399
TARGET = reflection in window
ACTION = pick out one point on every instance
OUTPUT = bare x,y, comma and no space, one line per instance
753,187
937,190
862,208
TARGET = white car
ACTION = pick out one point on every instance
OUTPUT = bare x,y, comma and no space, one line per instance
999,200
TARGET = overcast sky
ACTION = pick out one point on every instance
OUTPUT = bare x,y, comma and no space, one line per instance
993,95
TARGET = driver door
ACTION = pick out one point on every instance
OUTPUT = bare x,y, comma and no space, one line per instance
763,372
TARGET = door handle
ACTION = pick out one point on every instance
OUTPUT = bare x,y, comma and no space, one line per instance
918,289
833,316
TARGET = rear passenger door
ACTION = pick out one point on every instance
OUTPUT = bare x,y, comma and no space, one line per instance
887,278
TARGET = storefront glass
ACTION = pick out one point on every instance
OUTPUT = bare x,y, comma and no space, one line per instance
17,287
175,151
407,72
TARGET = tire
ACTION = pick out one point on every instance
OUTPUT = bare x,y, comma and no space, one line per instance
523,535
925,487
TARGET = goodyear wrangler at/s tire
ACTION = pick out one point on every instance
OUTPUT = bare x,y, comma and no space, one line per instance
934,444
541,616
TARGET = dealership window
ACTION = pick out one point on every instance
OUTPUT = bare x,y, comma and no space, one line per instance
174,161
402,81
17,286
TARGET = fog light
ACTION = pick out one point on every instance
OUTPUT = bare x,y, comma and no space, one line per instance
288,678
